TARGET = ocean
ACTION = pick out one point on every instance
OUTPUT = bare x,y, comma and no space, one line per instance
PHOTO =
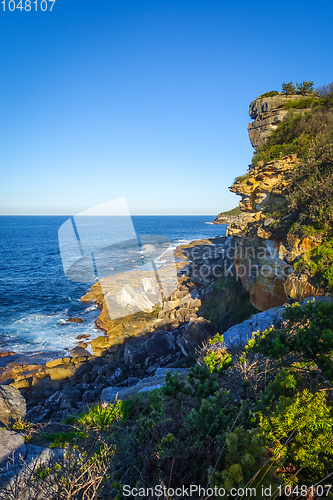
36,298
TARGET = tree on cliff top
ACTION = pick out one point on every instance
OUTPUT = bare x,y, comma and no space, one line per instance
302,88
305,87
288,88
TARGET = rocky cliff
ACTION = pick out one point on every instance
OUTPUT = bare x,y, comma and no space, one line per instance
264,183
264,187
267,113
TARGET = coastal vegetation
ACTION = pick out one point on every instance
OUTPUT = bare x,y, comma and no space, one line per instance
233,211
259,416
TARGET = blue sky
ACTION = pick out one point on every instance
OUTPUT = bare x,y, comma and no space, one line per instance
144,99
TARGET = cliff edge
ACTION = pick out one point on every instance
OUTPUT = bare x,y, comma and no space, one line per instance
281,207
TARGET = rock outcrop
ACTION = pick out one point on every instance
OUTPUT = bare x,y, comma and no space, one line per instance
12,405
257,187
267,113
111,394
265,267
262,271
18,464
263,185
224,219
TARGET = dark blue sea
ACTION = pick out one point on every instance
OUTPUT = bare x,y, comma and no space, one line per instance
36,298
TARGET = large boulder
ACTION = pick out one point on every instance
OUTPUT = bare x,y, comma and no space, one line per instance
12,405
79,352
12,444
19,462
240,333
260,321
135,352
112,394
60,372
197,331
101,342
160,344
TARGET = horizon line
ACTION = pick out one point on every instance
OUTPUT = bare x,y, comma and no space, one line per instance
102,215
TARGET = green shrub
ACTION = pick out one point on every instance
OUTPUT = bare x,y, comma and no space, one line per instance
246,463
301,104
63,439
242,178
308,332
309,196
272,93
102,417
319,264
300,433
300,133
217,359
233,211
305,87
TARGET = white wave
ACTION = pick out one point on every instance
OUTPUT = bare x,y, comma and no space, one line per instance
91,308
44,332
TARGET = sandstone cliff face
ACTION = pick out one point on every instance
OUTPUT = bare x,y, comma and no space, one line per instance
262,272
256,188
265,266
263,186
225,219
267,113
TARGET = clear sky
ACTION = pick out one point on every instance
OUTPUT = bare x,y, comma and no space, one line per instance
144,99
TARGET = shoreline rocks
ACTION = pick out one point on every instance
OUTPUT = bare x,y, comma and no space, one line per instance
132,348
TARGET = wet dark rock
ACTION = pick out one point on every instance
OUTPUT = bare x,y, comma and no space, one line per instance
90,396
160,344
74,320
135,352
195,333
111,394
86,378
80,337
78,352
4,354
122,384
70,398
151,360
132,381
116,377
152,369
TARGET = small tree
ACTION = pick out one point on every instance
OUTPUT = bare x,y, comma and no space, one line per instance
288,88
305,87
